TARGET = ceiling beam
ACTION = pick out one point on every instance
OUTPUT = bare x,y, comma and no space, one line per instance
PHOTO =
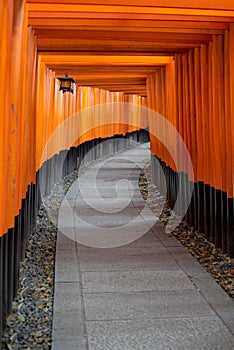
118,35
79,45
109,75
110,81
132,16
160,52
106,60
192,4
130,24
122,70
64,9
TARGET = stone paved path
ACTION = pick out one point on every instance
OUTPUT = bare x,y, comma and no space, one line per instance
147,294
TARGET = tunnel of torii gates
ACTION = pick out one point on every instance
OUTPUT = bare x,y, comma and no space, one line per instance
173,57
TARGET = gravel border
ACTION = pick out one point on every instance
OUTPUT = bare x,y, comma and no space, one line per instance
29,326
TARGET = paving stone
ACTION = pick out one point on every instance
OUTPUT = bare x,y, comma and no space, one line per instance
138,280
124,214
107,221
66,218
145,242
69,199
68,345
68,326
133,248
64,242
70,233
205,282
139,305
170,242
68,318
66,266
184,259
193,333
67,297
159,260
96,236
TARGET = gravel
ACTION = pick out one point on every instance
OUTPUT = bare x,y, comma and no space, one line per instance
29,326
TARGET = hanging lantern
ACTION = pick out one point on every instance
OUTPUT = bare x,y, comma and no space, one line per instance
66,83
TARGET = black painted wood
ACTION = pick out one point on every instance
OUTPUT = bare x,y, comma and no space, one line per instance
218,214
210,211
1,287
230,227
207,206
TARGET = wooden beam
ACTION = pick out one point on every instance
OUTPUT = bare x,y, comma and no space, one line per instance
106,60
111,81
132,16
120,45
115,52
48,30
117,35
49,9
108,75
133,24
192,4
119,88
62,69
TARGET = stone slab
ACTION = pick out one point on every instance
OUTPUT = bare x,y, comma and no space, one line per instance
67,297
66,266
159,260
139,305
68,345
190,333
64,242
138,280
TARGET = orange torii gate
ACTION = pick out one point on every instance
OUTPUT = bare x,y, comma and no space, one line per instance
174,57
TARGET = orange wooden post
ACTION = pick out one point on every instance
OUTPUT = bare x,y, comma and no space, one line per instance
227,139
186,126
6,19
211,158
205,135
221,134
216,139
192,131
200,165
